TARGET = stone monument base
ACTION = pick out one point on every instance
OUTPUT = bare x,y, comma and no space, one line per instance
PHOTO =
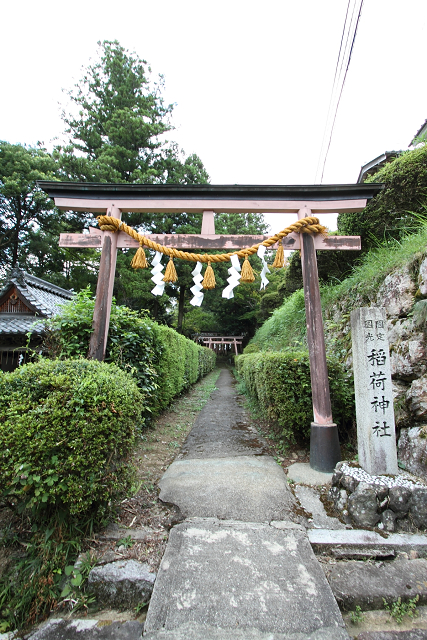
390,503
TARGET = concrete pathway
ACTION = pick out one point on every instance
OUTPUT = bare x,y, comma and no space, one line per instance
240,565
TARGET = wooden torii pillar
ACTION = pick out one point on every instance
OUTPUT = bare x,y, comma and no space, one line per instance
304,200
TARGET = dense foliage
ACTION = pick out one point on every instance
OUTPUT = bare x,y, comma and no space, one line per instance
390,213
285,329
162,362
67,428
66,433
116,128
279,383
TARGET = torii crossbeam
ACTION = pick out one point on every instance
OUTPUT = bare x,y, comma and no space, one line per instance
303,200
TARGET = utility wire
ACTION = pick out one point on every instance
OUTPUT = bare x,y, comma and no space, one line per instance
333,90
344,58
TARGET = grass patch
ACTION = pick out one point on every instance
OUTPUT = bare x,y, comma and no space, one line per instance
377,264
286,329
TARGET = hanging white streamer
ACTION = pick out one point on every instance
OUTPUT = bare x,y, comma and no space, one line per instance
235,262
234,278
261,253
157,275
197,288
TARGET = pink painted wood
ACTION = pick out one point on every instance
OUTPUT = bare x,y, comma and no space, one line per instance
93,239
218,206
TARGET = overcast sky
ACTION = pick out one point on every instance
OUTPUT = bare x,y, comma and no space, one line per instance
251,80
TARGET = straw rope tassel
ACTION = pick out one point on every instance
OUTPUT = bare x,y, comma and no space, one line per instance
170,273
139,261
209,279
305,225
247,272
279,260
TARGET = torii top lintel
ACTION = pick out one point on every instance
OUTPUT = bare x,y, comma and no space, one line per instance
173,198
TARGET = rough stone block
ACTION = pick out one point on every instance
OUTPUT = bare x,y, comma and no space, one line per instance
408,358
399,329
122,584
234,575
412,450
193,631
410,634
249,488
323,540
365,584
363,506
398,500
87,629
416,398
388,519
397,293
418,507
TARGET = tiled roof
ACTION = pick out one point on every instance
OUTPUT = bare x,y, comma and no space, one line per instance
43,296
421,133
18,325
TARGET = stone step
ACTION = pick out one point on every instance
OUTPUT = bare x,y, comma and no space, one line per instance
246,488
240,575
202,632
87,629
368,584
409,634
325,540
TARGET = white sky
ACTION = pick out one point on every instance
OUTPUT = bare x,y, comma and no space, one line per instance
251,80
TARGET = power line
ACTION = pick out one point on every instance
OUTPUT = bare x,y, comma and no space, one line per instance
344,57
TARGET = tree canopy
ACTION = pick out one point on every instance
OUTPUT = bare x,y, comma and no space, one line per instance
117,125
23,207
116,130
390,213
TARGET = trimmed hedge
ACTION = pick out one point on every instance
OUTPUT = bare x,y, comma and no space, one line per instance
163,362
279,382
66,432
181,363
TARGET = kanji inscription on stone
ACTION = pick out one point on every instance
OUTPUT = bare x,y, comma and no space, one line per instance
376,437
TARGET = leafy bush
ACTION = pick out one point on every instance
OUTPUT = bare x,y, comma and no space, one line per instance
163,362
67,429
251,348
180,365
207,360
131,345
285,328
388,214
280,384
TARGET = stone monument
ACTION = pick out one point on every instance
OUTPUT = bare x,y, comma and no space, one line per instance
374,399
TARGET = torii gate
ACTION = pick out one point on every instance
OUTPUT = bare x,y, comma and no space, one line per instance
303,200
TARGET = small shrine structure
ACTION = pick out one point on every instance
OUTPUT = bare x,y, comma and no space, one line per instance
24,301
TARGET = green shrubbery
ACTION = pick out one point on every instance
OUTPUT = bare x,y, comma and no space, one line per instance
163,362
280,384
67,429
181,363
285,329
391,213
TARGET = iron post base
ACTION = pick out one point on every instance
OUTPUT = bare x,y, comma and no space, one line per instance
324,447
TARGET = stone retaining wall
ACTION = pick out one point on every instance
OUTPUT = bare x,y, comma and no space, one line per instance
391,503
403,294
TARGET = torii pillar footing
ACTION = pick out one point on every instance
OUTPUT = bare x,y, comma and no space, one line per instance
324,444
